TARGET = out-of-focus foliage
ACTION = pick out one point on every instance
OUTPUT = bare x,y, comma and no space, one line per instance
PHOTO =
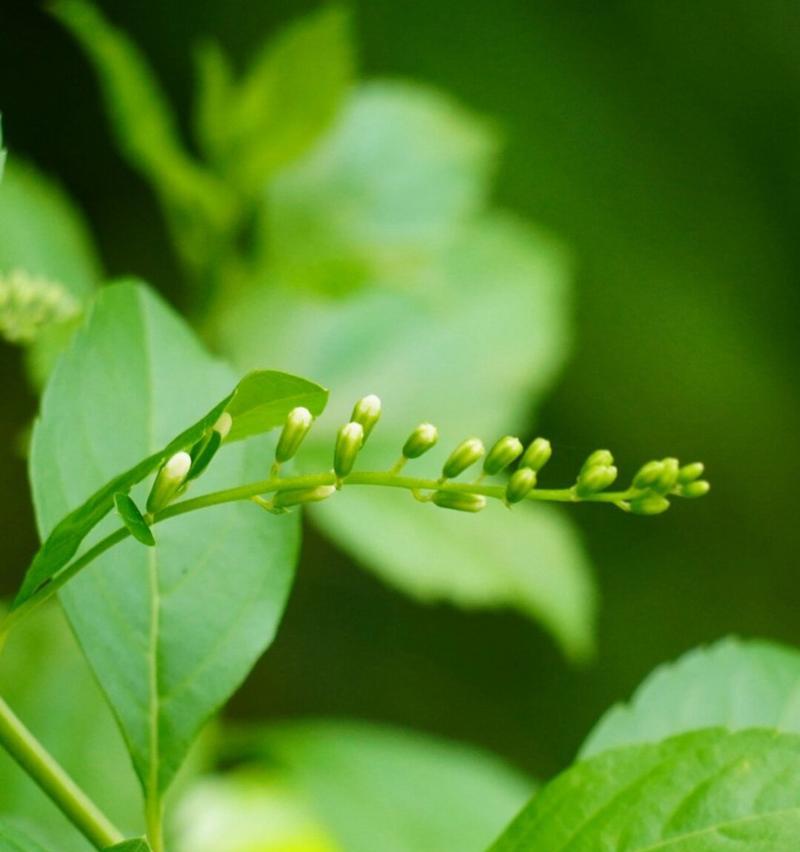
351,787
372,259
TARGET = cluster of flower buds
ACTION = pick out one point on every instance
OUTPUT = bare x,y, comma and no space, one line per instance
657,479
182,467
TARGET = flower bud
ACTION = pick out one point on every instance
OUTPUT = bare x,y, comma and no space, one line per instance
689,472
348,443
648,474
599,458
223,425
169,480
420,440
595,479
464,455
651,504
505,451
668,476
367,412
522,482
295,429
459,500
300,496
537,455
698,488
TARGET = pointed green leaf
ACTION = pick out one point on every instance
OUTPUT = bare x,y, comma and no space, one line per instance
170,631
401,171
133,520
365,787
707,791
733,683
268,396
290,95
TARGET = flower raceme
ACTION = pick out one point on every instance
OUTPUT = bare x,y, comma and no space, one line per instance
648,494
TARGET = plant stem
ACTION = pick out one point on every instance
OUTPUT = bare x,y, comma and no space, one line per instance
154,813
31,755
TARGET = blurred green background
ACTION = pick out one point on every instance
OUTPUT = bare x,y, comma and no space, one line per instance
659,141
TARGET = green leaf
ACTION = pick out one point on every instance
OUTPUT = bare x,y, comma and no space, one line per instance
528,559
389,187
267,397
289,97
139,844
13,840
197,204
133,520
707,791
471,355
733,683
170,631
45,678
377,787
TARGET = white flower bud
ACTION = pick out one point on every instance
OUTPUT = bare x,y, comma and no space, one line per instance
223,425
169,480
420,440
367,412
298,422
502,454
464,455
460,501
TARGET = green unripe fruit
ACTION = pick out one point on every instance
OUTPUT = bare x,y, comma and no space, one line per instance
505,451
699,488
537,455
348,443
595,479
648,474
652,504
459,500
298,422
689,472
522,482
420,440
367,412
464,455
300,496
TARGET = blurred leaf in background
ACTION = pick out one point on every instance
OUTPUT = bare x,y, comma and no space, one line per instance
335,786
375,259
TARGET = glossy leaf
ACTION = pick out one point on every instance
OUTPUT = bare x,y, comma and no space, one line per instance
266,398
733,683
133,520
377,787
47,682
706,791
498,310
401,171
197,204
288,98
170,631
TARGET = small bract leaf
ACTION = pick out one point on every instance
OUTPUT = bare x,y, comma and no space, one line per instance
133,520
138,844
